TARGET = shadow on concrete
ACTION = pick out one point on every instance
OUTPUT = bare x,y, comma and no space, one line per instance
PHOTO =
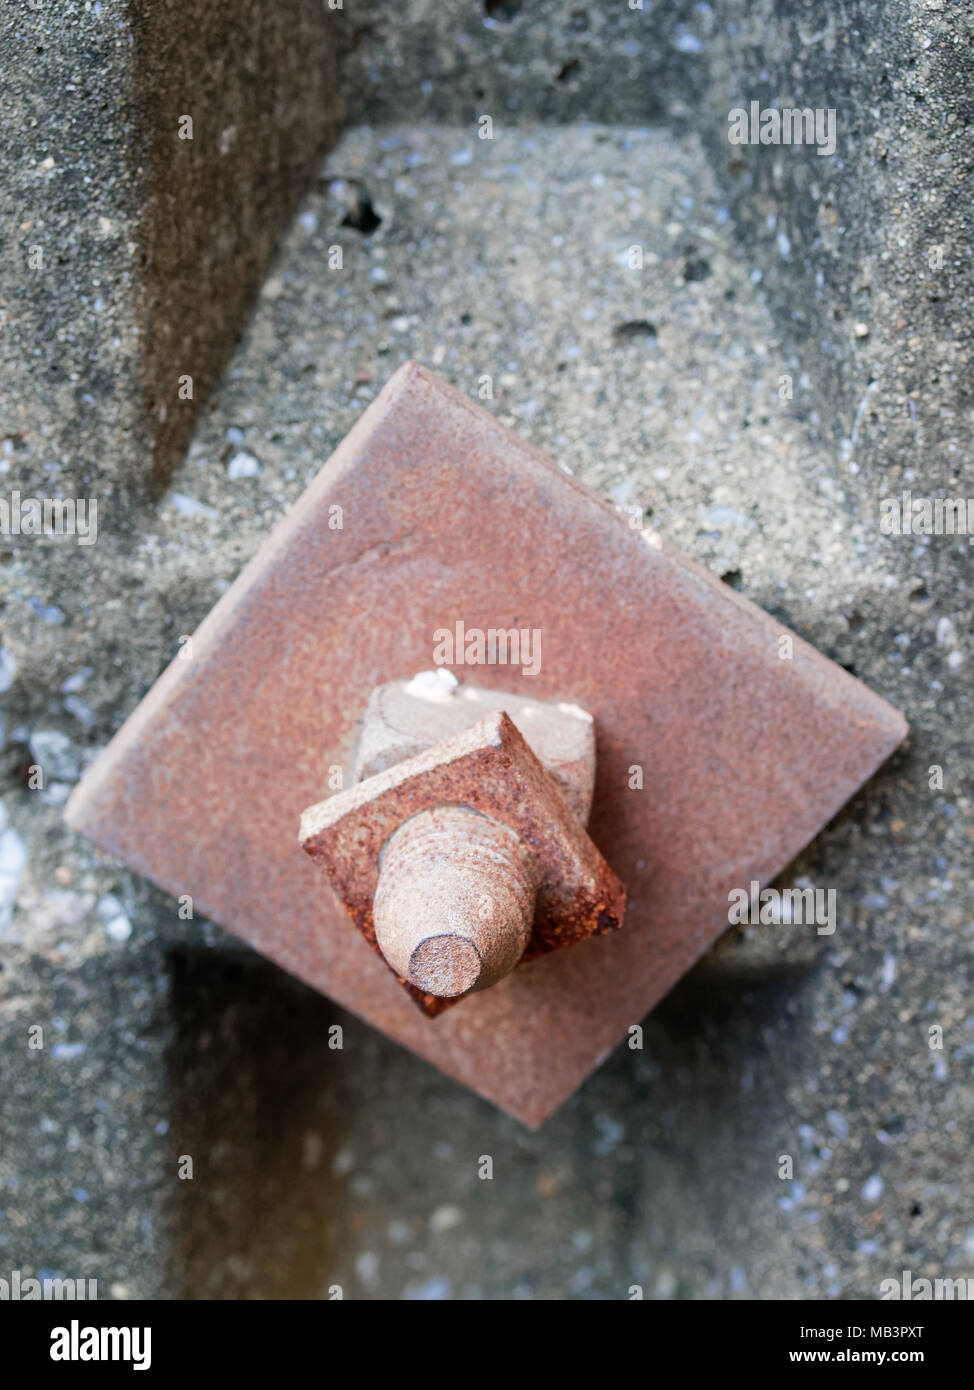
257,1099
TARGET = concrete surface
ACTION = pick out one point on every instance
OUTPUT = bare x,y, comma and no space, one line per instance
358,1167
137,240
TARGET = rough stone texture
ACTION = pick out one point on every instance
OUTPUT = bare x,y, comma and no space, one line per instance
69,350
258,81
663,1170
454,61
848,244
153,245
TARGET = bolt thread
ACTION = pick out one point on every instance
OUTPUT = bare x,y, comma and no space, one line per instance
454,905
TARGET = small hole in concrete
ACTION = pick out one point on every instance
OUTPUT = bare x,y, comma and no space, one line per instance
567,69
362,215
633,329
734,578
502,9
695,268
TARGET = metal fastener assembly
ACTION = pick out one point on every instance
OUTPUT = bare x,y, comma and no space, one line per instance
717,761
460,856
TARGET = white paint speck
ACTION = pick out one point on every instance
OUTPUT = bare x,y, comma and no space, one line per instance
76,682
437,685
13,861
51,750
686,42
367,1267
872,1189
343,1163
83,713
837,1124
946,633
243,465
445,1218
112,912
188,506
8,669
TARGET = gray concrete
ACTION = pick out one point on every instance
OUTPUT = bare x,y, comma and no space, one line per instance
661,388
136,240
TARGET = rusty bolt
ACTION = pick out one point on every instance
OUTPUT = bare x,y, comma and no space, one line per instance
465,857
455,902
454,905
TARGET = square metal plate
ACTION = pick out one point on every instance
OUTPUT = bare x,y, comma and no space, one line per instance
447,516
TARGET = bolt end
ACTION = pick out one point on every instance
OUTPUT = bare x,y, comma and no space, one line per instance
446,966
454,906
